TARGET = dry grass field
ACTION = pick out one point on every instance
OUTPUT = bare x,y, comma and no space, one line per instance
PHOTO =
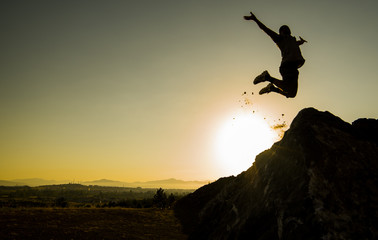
88,223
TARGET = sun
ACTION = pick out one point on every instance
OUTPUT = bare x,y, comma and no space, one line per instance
240,139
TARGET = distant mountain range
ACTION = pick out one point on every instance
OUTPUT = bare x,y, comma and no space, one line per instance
166,183
32,182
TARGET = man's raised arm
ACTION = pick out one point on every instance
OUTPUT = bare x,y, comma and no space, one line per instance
267,30
300,42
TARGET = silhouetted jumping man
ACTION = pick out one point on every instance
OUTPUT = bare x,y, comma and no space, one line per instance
291,60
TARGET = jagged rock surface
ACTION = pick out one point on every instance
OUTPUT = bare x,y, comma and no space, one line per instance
319,182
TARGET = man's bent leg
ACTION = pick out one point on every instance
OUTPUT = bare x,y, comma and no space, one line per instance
277,82
289,83
287,88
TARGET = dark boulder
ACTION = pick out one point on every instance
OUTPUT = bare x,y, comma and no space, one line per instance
319,182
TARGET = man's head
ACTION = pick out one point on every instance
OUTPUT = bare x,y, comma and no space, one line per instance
284,30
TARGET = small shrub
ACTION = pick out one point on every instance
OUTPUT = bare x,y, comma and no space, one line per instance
61,202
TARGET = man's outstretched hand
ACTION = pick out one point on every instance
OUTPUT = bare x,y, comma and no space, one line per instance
251,17
302,40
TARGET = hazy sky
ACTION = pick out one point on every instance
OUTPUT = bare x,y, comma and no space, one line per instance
137,90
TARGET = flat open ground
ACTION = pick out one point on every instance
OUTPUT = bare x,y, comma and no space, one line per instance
91,223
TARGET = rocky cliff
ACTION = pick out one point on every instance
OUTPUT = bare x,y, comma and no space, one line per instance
319,182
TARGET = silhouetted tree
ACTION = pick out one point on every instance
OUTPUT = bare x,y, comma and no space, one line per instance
160,199
171,200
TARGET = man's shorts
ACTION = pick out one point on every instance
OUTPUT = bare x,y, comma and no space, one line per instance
289,73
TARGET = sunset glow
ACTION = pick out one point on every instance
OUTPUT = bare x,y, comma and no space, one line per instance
240,139
151,90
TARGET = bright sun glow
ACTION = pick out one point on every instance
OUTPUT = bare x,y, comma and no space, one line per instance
239,141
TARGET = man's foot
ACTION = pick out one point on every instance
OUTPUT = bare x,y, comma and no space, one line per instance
267,89
262,77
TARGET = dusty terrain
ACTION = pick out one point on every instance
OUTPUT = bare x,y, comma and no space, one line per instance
91,223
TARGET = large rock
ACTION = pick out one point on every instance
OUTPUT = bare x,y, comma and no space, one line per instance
319,182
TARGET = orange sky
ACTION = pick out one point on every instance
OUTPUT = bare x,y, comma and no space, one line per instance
139,90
